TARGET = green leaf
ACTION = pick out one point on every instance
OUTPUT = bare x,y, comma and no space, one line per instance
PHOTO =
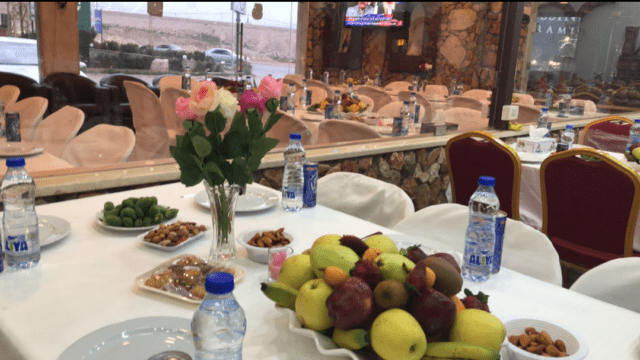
272,105
272,120
197,129
213,168
241,174
232,145
190,175
183,159
202,146
215,121
239,124
187,124
227,171
255,123
259,149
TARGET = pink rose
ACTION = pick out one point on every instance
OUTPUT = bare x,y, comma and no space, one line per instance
183,108
270,87
204,89
250,99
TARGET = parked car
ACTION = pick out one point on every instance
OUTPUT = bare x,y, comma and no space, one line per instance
219,55
165,47
20,56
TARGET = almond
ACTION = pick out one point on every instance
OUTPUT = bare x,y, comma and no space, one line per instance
513,339
561,346
552,350
545,338
524,340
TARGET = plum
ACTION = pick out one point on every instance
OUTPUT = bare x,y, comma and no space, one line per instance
350,304
434,311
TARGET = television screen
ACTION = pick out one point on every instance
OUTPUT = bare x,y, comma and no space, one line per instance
378,14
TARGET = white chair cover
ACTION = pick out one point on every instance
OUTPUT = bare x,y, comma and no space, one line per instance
588,105
320,84
334,131
398,86
466,102
391,110
284,127
31,111
364,197
477,94
57,130
527,113
152,138
9,94
101,145
616,282
380,97
467,119
525,249
440,90
524,99
172,121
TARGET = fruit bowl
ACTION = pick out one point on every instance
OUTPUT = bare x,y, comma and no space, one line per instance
256,253
576,346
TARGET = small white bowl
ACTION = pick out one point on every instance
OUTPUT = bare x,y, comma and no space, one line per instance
576,346
256,253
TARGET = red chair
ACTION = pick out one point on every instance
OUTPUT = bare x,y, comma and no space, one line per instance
589,207
468,159
609,134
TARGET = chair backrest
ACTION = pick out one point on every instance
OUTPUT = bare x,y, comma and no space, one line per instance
527,113
101,145
173,82
426,111
468,159
334,131
609,134
320,84
364,197
57,130
9,94
589,208
76,89
437,89
31,111
367,100
168,100
152,138
380,97
28,86
466,119
524,99
317,94
477,94
117,80
466,102
287,125
286,81
525,249
296,77
398,86
616,282
391,110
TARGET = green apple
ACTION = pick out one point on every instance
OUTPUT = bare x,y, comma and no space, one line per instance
636,152
311,307
396,335
330,239
382,243
394,266
296,271
323,256
478,327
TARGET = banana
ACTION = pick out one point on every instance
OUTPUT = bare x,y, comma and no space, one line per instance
283,295
354,339
459,350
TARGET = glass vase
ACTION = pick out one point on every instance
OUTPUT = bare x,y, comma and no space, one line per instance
223,200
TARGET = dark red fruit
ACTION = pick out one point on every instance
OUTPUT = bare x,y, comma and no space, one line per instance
417,277
354,243
450,259
350,304
434,311
633,146
368,272
415,254
479,301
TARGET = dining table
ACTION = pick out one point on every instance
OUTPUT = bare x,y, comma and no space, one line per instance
36,158
86,282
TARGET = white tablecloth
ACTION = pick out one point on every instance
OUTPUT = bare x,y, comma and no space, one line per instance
85,282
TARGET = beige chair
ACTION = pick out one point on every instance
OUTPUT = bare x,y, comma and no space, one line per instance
398,86
588,105
392,110
527,114
319,84
58,129
172,121
285,84
465,102
367,100
524,99
287,125
317,94
364,197
101,145
9,94
467,119
426,111
440,90
31,111
174,82
152,138
477,94
296,77
380,97
335,131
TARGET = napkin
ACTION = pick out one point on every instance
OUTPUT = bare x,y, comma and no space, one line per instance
537,133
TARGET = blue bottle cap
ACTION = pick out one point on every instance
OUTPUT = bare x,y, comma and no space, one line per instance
487,181
545,109
637,121
295,136
15,162
219,283
406,102
569,126
413,93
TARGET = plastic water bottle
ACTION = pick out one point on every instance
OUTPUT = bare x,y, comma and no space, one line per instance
291,101
634,134
19,221
186,79
412,107
337,105
219,324
548,99
414,83
343,76
326,78
481,235
303,97
407,120
208,75
3,127
543,119
310,74
566,139
293,177
350,90
247,83
452,87
459,88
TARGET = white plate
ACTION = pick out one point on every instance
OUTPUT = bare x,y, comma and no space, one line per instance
256,198
18,149
171,248
100,221
52,229
134,339
427,245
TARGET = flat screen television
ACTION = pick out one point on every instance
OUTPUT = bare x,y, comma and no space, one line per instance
375,14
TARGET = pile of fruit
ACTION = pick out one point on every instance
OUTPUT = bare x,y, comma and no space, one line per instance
349,104
137,212
634,153
370,297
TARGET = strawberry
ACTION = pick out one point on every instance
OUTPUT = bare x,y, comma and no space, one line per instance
476,301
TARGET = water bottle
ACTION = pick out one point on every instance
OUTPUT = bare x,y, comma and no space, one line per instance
19,221
3,127
543,119
480,236
548,99
303,97
337,105
634,135
208,76
412,107
326,78
291,101
310,74
186,79
219,324
350,90
247,83
343,77
566,139
452,87
414,83
407,121
293,177
459,88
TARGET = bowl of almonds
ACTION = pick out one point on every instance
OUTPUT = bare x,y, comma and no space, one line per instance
534,339
258,242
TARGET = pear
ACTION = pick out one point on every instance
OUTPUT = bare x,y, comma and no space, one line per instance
394,266
296,270
323,256
330,239
391,294
478,327
396,335
382,243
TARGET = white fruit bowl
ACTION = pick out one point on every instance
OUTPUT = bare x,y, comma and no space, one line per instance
576,346
256,253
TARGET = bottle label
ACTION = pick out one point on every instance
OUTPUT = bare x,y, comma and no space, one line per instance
16,243
289,193
562,147
480,241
